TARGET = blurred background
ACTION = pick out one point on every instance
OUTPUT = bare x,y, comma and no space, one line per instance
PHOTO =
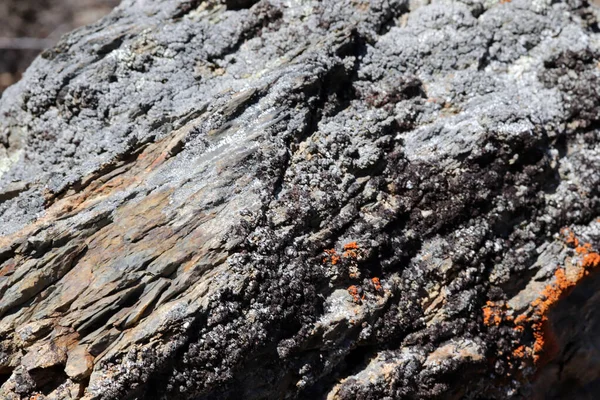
29,26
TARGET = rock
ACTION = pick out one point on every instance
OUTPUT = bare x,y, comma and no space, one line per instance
79,364
305,199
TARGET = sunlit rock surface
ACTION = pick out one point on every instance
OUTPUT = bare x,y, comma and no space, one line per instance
305,199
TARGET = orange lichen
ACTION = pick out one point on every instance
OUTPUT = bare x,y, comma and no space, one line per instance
519,322
586,248
354,292
545,343
376,283
571,239
545,346
519,352
350,250
591,260
351,246
552,292
519,328
487,315
492,314
332,257
499,313
350,254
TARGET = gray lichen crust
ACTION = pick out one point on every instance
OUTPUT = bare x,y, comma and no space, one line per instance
305,199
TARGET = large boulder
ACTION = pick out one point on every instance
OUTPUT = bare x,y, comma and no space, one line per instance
274,199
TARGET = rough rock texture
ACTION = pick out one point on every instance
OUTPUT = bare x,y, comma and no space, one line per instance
305,199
